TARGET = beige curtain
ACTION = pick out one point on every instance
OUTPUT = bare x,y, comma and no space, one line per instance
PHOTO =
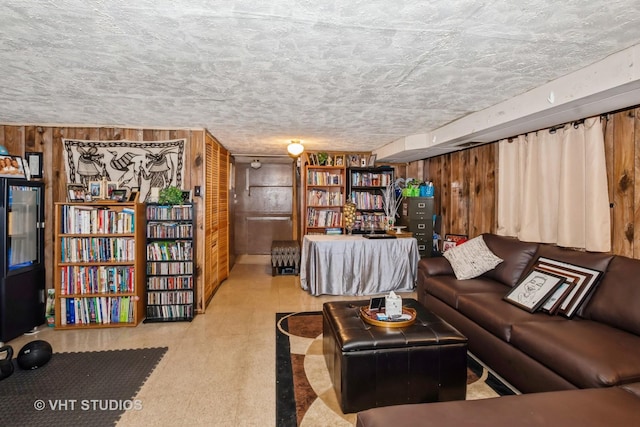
552,187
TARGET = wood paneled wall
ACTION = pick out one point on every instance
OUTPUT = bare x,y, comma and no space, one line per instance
48,141
465,184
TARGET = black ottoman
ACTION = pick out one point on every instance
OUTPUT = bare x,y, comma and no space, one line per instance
372,366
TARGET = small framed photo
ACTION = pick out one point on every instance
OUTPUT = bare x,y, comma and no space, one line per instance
76,193
354,160
95,190
111,185
186,197
118,195
133,194
339,159
34,161
534,289
372,160
11,167
363,162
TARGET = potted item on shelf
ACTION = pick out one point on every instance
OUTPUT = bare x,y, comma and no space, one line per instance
170,195
322,158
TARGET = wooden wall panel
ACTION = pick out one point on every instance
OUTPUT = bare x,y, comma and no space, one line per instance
622,150
623,182
48,141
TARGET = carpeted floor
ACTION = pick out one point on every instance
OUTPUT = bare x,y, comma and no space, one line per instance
73,389
304,394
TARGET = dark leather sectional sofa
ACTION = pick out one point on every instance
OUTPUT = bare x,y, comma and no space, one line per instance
599,347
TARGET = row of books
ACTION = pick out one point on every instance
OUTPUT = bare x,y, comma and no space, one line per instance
173,297
323,218
79,279
169,230
161,283
169,312
96,310
78,219
169,268
177,250
174,212
370,179
367,221
323,178
97,249
366,200
318,197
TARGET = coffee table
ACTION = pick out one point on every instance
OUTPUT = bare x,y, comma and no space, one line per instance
372,366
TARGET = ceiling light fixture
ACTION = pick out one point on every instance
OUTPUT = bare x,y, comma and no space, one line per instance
295,148
256,164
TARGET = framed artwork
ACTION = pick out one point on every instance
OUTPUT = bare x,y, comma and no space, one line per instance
76,193
95,190
354,160
34,161
534,290
339,159
363,162
584,280
11,167
372,160
186,197
552,304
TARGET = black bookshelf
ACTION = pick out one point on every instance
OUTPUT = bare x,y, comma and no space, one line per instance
170,263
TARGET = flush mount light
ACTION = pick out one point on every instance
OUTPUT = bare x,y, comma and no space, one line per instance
295,148
256,164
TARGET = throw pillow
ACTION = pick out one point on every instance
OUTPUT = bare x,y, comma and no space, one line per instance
471,259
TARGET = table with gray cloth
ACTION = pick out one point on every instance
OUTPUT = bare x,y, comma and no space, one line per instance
354,265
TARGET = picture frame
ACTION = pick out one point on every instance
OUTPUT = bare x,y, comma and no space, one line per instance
119,195
33,159
448,244
76,193
339,159
186,196
363,162
133,193
372,160
534,289
110,186
457,238
553,303
584,279
11,167
354,160
95,190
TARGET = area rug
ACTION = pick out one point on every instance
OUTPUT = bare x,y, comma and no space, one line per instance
89,388
304,394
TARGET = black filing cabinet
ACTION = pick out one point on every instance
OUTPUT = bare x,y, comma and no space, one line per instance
416,213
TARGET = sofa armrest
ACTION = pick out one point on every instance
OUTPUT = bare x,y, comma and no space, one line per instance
435,266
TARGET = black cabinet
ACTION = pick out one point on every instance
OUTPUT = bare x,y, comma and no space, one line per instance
22,278
416,213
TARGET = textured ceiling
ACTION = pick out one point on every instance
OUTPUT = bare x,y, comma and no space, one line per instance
341,75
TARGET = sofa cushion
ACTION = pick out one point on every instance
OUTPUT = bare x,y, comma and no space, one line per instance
494,314
471,258
586,353
448,288
516,255
616,300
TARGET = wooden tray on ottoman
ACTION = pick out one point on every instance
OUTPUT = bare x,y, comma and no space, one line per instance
368,318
